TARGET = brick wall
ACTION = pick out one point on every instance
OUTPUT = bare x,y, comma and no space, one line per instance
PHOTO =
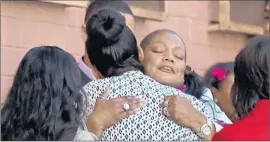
25,24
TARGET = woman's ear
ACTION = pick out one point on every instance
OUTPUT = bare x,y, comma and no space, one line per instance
83,33
141,54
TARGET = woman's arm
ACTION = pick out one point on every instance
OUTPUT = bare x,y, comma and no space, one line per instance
108,112
183,113
84,134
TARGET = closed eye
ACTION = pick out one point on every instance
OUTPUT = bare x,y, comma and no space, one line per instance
181,58
158,51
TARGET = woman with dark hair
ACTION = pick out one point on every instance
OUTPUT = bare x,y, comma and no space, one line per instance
113,50
250,93
219,78
44,102
165,61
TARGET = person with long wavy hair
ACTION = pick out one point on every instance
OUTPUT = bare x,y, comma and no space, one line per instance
250,93
44,100
44,103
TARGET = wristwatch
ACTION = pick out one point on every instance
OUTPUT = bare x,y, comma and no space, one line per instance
206,129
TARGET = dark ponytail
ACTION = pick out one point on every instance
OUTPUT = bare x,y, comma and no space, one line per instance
193,83
111,45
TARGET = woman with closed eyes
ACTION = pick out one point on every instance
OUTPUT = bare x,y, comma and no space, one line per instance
114,53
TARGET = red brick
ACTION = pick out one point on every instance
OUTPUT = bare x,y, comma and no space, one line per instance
177,24
39,11
6,83
75,16
39,33
68,38
139,33
10,59
199,32
29,34
224,40
202,57
222,54
191,9
74,42
10,31
199,57
80,16
52,24
71,16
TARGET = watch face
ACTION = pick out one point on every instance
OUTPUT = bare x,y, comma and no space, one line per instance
207,130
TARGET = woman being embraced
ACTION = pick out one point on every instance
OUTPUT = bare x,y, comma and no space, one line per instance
165,56
113,50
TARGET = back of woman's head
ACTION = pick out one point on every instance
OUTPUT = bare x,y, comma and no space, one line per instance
216,74
44,99
251,82
111,45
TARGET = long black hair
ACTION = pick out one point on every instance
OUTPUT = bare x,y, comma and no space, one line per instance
44,99
251,82
111,45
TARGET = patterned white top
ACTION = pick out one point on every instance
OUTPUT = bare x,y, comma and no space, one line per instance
83,134
218,114
149,124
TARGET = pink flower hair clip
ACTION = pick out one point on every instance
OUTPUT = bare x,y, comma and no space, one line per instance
219,73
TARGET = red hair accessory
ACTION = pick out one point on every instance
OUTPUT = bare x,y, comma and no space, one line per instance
183,88
219,73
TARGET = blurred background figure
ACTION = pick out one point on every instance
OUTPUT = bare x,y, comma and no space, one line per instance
250,93
219,78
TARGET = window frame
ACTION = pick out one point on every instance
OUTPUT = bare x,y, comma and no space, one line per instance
225,23
137,11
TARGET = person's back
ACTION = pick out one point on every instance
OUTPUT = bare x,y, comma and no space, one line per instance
252,127
44,103
149,123
250,94
113,50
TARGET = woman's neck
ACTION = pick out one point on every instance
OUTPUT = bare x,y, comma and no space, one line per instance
92,67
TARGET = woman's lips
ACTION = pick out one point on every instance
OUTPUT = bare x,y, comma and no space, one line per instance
167,69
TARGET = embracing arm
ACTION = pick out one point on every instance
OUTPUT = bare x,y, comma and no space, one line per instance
185,114
84,134
107,112
200,119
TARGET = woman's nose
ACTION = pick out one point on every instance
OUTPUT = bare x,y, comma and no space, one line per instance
167,59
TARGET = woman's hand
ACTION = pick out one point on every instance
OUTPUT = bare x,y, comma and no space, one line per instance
183,113
108,112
